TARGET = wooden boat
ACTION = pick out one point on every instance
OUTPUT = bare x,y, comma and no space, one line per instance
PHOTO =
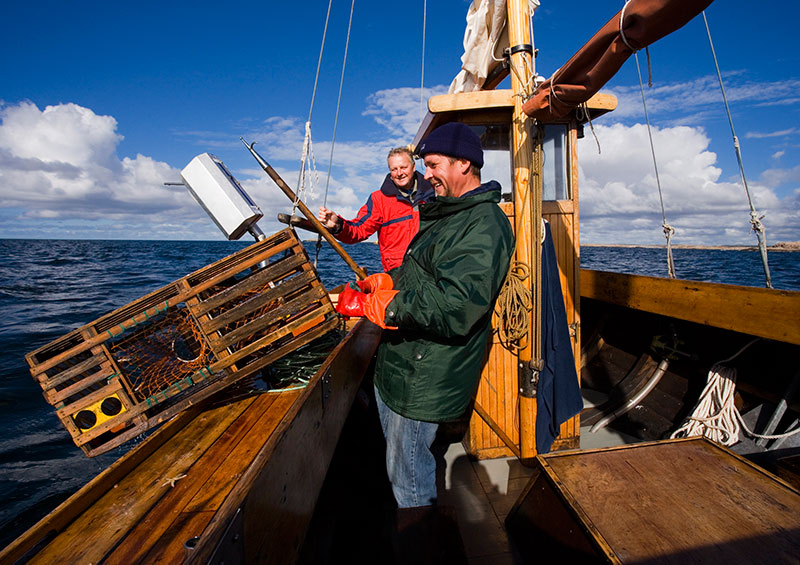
208,483
624,328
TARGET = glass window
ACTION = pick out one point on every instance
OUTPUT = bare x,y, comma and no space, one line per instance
554,165
496,143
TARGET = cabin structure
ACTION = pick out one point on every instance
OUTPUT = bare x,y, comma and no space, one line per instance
496,426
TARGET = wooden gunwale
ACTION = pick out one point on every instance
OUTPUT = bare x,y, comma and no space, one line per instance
193,474
760,312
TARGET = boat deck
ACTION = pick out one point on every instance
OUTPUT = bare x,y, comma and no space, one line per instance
354,515
484,491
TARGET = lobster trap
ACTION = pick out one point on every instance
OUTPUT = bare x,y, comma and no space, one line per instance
137,366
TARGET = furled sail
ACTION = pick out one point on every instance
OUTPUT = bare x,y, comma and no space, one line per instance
642,23
485,39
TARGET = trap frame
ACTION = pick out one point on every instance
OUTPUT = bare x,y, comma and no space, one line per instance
126,372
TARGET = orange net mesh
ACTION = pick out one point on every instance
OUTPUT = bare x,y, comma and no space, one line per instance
163,351
170,347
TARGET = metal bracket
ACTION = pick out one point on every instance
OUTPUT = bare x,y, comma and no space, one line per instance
521,48
230,548
529,377
325,387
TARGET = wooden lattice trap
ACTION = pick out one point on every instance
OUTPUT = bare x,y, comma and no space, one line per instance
137,366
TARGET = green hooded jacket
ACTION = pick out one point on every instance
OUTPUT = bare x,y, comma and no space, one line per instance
428,369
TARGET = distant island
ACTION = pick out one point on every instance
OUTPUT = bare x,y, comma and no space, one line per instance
780,246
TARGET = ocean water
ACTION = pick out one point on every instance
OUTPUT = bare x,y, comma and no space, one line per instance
48,288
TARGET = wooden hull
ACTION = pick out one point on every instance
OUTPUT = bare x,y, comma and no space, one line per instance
239,480
632,323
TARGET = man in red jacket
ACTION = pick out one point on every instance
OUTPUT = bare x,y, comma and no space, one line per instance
392,211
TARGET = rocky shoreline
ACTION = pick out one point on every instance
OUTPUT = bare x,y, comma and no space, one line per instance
780,246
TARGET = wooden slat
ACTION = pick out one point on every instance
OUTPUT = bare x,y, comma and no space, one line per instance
54,397
177,501
269,318
771,314
471,100
90,536
258,302
271,273
684,500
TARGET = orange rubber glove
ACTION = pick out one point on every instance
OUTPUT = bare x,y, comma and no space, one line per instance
378,281
354,303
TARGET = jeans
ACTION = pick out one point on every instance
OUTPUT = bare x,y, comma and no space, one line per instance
409,462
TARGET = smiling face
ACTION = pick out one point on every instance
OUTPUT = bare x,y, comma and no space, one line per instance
448,177
401,169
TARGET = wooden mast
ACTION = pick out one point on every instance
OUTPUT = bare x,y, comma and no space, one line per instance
527,214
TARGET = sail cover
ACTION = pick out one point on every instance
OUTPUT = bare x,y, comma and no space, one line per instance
643,22
485,39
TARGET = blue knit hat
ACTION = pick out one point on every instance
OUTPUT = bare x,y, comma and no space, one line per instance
454,140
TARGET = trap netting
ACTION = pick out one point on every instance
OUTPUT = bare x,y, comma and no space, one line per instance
114,378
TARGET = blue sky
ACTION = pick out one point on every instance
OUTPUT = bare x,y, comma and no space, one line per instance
103,102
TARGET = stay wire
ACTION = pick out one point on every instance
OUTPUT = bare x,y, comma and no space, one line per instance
422,76
307,140
668,229
336,122
755,219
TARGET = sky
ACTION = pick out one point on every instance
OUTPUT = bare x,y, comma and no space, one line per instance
102,103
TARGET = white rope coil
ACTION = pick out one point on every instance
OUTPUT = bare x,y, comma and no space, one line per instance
716,416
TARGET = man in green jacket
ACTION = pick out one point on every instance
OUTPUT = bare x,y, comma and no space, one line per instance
437,308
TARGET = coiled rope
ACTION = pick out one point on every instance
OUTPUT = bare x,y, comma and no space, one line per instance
715,416
513,308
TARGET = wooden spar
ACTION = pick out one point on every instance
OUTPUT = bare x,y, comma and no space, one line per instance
527,217
360,273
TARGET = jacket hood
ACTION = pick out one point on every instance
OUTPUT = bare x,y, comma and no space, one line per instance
423,194
444,205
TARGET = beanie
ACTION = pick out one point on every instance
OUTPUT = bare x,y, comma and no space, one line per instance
454,140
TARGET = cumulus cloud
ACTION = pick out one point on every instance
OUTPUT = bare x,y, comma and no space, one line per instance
59,167
399,109
620,200
61,163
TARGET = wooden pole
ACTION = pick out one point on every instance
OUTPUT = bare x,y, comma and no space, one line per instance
527,215
360,273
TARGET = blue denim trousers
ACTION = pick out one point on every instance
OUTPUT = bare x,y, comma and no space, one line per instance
409,462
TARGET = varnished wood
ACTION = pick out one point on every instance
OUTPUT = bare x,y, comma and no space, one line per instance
206,483
479,99
277,500
768,313
94,532
190,477
503,98
526,155
674,501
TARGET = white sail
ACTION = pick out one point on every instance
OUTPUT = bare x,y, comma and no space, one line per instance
485,38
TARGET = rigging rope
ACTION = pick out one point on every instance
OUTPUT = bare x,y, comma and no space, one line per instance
336,123
307,149
715,416
422,77
755,219
668,229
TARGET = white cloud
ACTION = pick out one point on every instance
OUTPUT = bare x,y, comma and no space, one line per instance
700,95
399,109
61,164
620,200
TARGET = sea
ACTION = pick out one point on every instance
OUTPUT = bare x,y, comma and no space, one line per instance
50,287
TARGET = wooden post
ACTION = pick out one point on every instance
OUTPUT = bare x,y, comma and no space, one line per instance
527,215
